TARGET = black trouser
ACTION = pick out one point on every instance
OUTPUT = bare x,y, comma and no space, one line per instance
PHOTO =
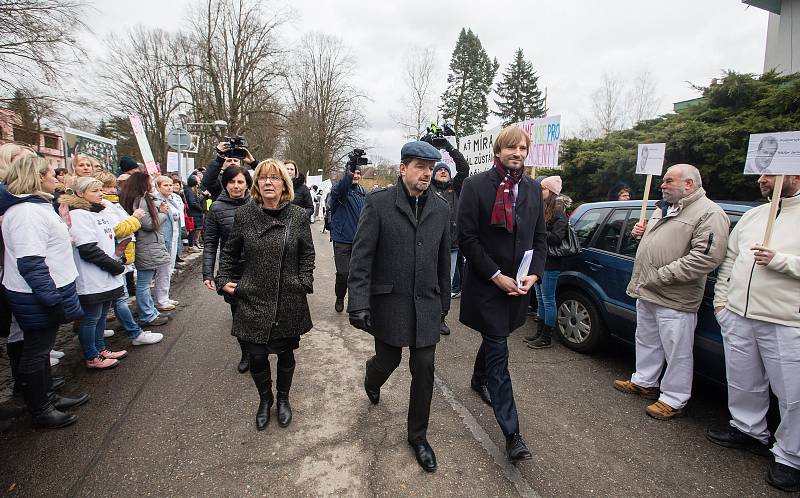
491,369
341,258
36,353
386,360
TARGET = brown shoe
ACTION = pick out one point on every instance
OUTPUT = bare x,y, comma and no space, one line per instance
662,411
629,387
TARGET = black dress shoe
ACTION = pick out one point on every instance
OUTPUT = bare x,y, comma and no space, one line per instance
425,456
339,306
51,418
516,449
444,329
482,391
731,437
63,403
374,396
783,477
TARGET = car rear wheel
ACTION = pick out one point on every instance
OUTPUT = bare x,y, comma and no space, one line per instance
578,323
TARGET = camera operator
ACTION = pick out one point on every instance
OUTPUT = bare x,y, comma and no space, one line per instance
232,152
449,187
346,200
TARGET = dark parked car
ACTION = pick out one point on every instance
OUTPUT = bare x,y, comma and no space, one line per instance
592,303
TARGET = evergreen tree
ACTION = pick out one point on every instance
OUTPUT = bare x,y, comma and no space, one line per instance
19,104
520,97
464,103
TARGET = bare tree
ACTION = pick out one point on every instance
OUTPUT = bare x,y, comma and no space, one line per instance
325,108
417,103
642,99
39,38
608,106
138,78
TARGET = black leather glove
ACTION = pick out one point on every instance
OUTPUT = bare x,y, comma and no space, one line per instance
361,319
427,138
56,314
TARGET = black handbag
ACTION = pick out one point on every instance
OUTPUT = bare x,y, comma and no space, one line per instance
569,246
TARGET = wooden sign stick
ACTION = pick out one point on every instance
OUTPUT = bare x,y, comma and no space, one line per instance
646,198
533,172
773,210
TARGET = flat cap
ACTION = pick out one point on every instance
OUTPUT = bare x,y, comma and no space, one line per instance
421,150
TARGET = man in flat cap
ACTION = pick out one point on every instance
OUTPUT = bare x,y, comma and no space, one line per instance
399,284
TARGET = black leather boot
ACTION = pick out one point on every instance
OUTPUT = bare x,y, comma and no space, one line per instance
14,354
536,334
544,340
263,381
43,414
244,362
282,385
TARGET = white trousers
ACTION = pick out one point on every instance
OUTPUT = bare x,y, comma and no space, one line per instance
664,334
162,282
760,355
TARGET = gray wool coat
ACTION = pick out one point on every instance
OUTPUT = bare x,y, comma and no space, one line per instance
275,255
151,252
400,268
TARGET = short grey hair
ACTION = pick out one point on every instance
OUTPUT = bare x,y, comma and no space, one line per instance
689,172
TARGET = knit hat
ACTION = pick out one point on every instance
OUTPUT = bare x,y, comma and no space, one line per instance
127,163
553,184
442,165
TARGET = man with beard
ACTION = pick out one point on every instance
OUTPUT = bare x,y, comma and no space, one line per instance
399,284
755,302
450,188
684,241
302,195
500,217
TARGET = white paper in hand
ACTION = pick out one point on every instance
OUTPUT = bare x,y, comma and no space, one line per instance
524,266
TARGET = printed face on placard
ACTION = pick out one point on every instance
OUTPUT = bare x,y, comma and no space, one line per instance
650,159
773,154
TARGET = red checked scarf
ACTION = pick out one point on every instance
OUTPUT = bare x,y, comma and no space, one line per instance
503,210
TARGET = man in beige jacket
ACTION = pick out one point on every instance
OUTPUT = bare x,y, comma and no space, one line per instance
757,304
683,242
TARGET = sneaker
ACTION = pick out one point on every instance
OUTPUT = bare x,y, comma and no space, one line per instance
662,411
455,295
165,307
783,477
173,302
541,342
629,387
155,322
101,363
114,355
731,437
146,338
54,361
108,333
56,354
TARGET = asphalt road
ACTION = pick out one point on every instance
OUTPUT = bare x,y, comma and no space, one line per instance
176,419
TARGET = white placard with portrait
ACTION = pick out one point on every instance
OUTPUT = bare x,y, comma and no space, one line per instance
773,154
650,159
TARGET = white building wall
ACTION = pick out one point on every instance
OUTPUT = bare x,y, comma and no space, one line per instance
783,39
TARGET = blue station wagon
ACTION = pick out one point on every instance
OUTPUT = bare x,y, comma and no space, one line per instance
592,303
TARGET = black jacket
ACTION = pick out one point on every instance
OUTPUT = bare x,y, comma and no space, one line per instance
218,223
275,253
487,249
193,206
400,267
302,196
212,178
451,190
556,233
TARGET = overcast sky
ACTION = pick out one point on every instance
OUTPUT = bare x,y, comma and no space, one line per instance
571,44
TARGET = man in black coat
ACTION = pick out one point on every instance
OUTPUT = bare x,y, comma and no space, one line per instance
500,217
399,284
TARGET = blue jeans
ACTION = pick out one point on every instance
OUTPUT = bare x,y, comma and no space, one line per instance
453,261
90,332
125,317
144,300
546,297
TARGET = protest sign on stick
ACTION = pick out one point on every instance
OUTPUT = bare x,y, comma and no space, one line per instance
144,145
649,161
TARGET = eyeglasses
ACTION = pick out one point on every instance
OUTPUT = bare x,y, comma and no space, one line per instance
271,179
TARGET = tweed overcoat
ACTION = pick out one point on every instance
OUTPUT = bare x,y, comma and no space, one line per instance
274,252
487,249
400,267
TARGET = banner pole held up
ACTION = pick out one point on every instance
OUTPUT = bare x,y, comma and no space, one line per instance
773,210
646,198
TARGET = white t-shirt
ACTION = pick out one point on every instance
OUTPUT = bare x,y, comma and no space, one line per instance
90,227
35,229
